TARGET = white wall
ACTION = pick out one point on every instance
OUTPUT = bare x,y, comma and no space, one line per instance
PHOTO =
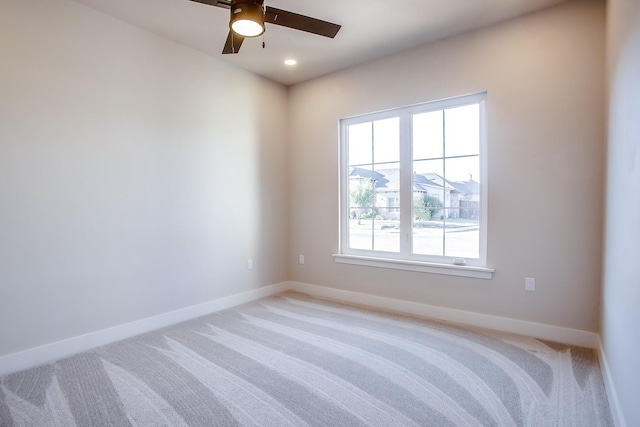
137,176
544,74
621,274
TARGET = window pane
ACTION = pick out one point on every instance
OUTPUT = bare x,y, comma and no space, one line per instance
428,202
464,170
462,130
374,202
360,144
386,236
360,230
427,175
462,232
386,140
463,235
387,208
361,197
427,135
361,187
428,235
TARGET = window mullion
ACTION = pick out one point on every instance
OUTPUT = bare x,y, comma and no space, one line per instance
483,181
444,180
344,189
406,184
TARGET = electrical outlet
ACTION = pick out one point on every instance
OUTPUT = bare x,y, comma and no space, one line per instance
529,284
249,264
301,259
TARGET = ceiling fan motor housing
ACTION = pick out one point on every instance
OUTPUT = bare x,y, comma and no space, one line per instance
247,18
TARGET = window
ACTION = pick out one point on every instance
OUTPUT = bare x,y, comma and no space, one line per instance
413,186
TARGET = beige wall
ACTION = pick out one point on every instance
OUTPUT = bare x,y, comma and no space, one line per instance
137,176
544,75
621,275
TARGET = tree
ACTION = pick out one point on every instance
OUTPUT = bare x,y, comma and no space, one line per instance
426,206
362,196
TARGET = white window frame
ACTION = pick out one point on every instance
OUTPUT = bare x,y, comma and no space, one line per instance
405,260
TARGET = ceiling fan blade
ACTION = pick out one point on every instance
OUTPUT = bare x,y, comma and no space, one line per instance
234,41
213,3
223,3
300,22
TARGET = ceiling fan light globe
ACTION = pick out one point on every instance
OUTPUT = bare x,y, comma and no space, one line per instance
247,28
247,19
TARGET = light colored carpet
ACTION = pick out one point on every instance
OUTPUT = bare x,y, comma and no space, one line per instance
293,360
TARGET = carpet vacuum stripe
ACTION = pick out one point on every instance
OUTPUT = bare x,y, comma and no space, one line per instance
295,360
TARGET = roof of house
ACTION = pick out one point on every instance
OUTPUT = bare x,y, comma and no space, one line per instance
466,187
380,179
389,180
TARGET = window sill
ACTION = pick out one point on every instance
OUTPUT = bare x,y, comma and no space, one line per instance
423,267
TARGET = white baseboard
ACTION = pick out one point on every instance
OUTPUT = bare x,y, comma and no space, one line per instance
612,395
532,329
47,353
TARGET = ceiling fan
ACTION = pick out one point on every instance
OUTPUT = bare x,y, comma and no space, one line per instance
249,16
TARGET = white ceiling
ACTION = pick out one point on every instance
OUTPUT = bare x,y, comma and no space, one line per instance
370,29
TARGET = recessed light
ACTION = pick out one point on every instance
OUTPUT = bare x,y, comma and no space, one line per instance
290,62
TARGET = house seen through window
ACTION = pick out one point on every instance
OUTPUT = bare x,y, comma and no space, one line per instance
413,183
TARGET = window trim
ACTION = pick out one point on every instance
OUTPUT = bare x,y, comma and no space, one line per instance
419,266
475,267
